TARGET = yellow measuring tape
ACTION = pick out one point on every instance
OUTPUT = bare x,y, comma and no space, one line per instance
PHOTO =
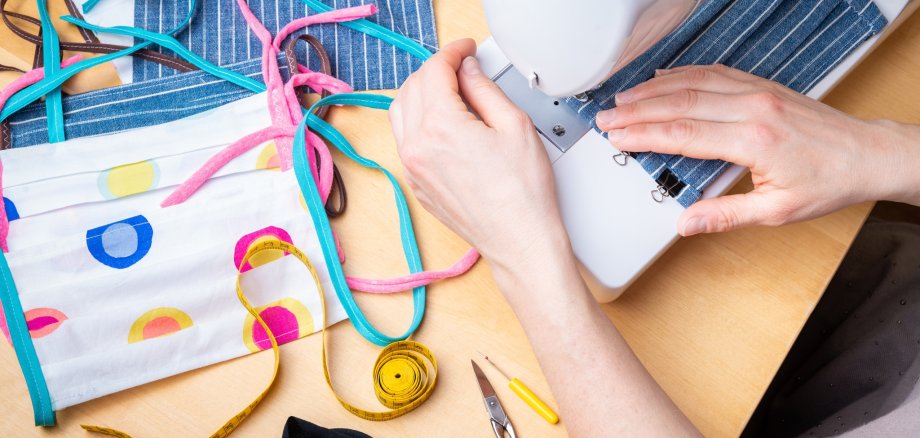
402,380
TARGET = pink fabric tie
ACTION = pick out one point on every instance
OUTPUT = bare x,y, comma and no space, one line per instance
285,113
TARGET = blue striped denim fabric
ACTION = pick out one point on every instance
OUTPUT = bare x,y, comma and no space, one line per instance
136,104
793,42
218,33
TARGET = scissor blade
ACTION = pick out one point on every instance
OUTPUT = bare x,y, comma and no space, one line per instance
484,385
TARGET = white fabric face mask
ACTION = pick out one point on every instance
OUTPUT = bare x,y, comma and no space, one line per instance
118,291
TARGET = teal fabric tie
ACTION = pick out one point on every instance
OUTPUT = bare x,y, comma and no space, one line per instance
377,31
51,57
321,222
174,45
34,92
89,5
314,203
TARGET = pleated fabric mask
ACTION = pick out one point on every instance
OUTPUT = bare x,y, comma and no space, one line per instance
118,291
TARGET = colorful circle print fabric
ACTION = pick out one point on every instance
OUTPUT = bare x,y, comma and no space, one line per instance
120,244
109,280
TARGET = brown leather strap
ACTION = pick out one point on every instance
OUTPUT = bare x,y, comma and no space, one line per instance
91,46
8,68
333,209
290,52
88,37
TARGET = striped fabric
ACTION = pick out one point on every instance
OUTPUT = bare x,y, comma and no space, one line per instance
793,42
137,104
219,34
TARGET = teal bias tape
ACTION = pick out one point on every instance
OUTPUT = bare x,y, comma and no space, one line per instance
171,43
314,203
89,5
321,222
377,31
25,350
51,52
36,91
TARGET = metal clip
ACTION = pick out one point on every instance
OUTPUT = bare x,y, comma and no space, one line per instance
669,186
621,158
660,193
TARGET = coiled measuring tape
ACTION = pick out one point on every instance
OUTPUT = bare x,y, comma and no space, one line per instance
402,379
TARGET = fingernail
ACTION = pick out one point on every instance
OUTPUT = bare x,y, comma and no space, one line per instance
616,135
660,71
606,117
471,66
624,97
693,226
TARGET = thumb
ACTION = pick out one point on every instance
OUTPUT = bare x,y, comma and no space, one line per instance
485,97
722,214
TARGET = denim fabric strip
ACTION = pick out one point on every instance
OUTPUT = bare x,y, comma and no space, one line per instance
219,34
795,43
137,104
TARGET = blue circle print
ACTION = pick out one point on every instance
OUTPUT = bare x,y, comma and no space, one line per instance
120,244
11,212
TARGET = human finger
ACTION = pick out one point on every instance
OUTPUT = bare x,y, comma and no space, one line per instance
697,78
682,104
722,69
688,137
726,213
439,73
487,99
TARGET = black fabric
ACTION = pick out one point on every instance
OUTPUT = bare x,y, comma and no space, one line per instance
857,356
297,428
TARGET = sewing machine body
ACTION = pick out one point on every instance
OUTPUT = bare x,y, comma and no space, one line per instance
616,228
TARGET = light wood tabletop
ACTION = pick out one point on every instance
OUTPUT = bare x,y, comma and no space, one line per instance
19,53
712,319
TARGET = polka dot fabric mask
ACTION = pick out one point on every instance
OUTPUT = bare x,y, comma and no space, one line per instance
118,291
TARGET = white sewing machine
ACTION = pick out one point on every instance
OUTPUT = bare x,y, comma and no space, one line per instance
617,229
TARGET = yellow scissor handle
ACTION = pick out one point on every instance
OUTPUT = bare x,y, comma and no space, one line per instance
533,401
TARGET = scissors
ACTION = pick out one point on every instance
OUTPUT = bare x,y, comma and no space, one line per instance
500,422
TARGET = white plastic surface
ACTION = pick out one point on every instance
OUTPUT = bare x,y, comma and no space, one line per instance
573,46
616,229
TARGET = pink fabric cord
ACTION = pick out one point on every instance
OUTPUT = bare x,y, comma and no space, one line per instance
215,163
286,114
408,282
28,78
283,107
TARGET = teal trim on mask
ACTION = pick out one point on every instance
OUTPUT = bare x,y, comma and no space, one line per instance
25,350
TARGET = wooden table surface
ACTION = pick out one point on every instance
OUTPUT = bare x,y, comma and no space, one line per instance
19,53
712,320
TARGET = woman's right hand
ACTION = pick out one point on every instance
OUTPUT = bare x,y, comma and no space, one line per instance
806,158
